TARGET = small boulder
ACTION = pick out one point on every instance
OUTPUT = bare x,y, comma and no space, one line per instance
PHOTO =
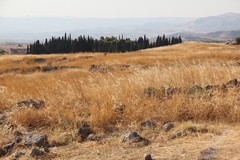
131,136
207,154
17,155
18,134
135,140
179,133
18,140
2,152
149,123
154,92
118,108
48,68
171,91
94,68
84,130
232,83
209,88
36,104
39,60
93,137
8,147
195,89
148,156
168,126
35,152
37,140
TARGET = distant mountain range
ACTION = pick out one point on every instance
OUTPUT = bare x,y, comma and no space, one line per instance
215,28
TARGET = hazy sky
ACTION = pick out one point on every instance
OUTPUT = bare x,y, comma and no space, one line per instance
117,8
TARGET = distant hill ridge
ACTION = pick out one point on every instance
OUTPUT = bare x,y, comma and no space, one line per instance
223,27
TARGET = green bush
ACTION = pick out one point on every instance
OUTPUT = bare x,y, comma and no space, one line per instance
2,51
238,40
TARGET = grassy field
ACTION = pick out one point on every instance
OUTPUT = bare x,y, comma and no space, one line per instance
87,87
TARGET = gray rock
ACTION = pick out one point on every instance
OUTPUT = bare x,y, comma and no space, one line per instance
8,147
37,140
84,131
195,89
148,156
171,91
2,152
39,60
48,68
209,88
232,83
93,137
119,107
36,104
149,123
207,154
35,152
18,155
168,126
131,136
18,140
17,133
179,133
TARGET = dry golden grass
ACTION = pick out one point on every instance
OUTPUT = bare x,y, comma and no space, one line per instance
73,96
76,95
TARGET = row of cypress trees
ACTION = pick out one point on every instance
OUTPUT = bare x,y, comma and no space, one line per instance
66,44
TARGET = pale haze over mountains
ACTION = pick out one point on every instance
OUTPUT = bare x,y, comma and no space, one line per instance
29,20
216,28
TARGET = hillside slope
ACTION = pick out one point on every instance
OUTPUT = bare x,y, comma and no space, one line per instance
175,102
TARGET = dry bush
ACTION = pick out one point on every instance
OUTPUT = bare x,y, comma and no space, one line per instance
31,118
74,96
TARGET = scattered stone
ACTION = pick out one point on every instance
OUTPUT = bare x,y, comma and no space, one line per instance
209,88
124,66
195,89
84,131
154,92
118,108
168,126
18,140
46,149
223,87
2,118
135,140
39,60
130,136
2,152
171,91
232,83
37,140
18,155
35,152
63,59
36,104
17,134
149,123
101,69
179,133
207,154
93,137
8,147
148,156
49,68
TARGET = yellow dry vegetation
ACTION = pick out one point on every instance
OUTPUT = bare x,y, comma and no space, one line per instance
88,87
76,95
